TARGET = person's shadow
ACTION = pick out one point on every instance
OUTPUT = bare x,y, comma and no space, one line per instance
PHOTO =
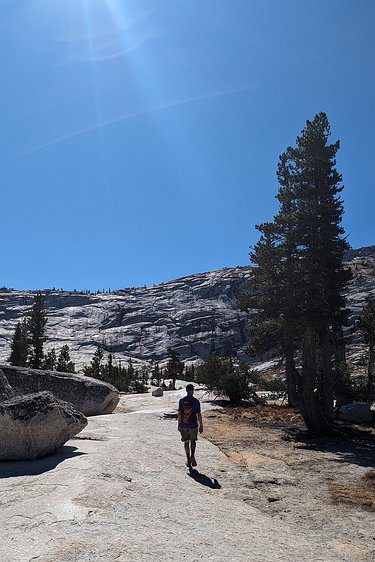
203,479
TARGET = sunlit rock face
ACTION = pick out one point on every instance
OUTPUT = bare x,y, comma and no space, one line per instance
195,315
35,425
87,395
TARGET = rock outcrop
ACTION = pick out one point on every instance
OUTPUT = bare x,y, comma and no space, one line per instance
35,425
89,396
196,315
357,412
6,391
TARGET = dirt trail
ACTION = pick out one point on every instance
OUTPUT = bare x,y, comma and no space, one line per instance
120,492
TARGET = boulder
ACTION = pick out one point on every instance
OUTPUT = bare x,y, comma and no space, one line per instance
35,425
89,396
157,392
357,412
6,391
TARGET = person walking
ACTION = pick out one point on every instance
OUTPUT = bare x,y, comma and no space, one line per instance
189,416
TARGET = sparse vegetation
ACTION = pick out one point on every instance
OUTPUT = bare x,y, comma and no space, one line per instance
124,379
225,378
276,384
359,493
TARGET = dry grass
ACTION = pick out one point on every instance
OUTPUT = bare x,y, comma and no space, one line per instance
271,414
361,493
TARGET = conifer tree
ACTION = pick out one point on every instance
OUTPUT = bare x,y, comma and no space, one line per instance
64,363
50,359
37,322
300,277
20,345
175,367
94,370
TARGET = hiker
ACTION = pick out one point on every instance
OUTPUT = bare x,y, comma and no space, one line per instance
189,414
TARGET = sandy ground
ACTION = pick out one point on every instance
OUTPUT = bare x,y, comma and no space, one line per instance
120,491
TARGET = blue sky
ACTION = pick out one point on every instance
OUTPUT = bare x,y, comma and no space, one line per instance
139,139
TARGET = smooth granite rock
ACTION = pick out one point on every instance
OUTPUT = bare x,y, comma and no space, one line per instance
35,425
6,391
197,315
357,412
89,396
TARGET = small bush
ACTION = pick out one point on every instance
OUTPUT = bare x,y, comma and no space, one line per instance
272,385
223,377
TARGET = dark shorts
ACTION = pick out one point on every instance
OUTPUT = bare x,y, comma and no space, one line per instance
189,434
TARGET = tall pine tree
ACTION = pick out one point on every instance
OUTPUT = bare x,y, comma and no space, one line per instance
300,276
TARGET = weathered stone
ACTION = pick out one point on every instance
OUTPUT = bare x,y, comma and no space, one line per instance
157,392
358,412
197,315
35,425
89,396
6,391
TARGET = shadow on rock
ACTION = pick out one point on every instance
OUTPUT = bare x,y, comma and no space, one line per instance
204,480
11,469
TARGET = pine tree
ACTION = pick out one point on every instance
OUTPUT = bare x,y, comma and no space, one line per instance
367,325
37,324
50,359
64,363
175,367
94,370
20,345
300,277
156,374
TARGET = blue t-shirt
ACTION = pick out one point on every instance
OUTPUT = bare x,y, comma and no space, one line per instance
189,407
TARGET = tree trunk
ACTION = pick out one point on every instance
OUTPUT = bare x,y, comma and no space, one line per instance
312,411
371,372
327,375
291,377
339,344
342,383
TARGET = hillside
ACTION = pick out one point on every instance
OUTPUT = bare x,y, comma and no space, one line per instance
195,314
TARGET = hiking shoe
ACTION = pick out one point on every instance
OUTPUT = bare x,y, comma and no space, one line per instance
193,461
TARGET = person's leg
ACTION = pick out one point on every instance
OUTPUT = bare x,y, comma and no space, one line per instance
187,451
192,458
193,441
